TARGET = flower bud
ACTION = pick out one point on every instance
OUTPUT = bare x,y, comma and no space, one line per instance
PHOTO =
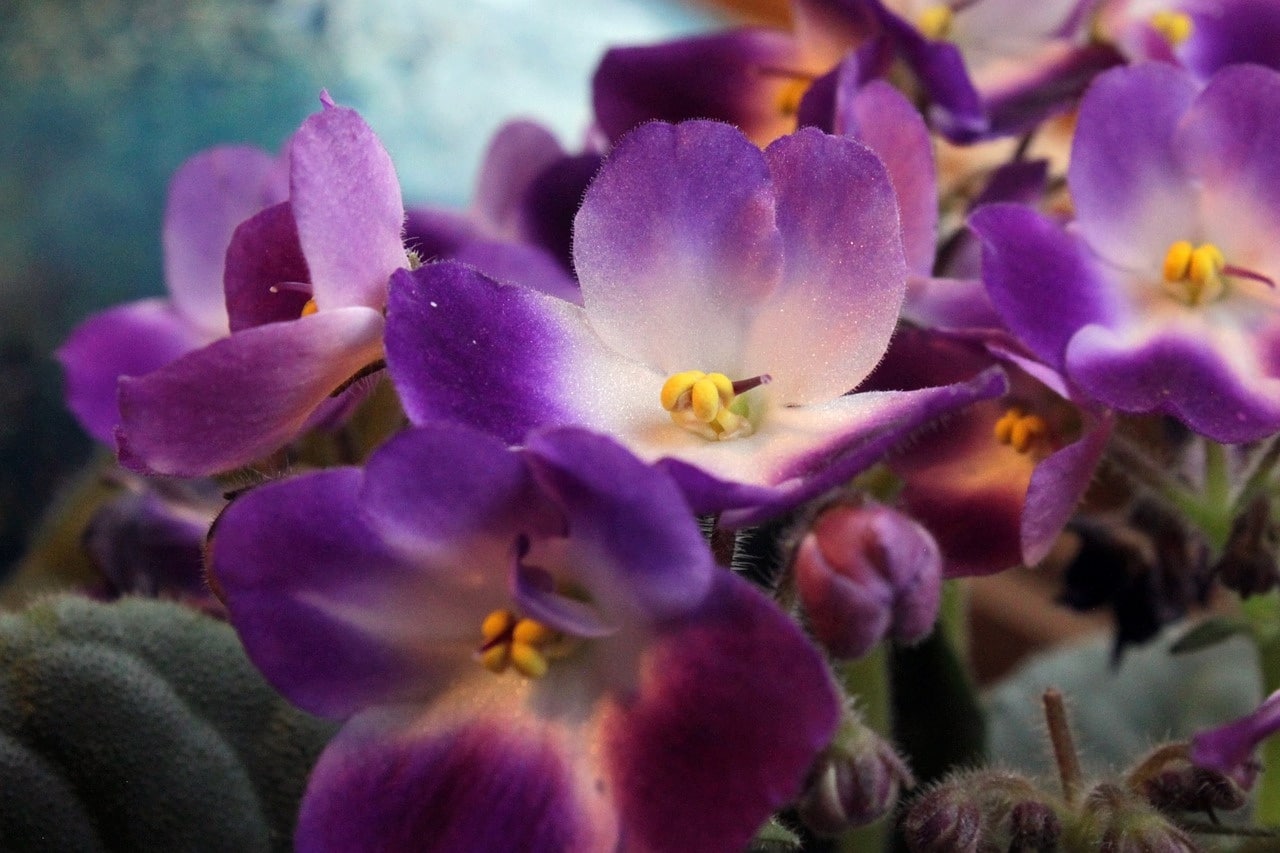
1123,823
855,782
864,573
1034,826
945,820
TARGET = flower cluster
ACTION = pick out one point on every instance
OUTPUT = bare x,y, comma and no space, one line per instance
798,278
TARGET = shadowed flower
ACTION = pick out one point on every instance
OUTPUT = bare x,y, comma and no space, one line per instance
531,647
731,298
306,285
1229,748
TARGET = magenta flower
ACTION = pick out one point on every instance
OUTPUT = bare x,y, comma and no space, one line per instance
533,651
731,299
1229,748
306,285
209,196
1161,296
1200,35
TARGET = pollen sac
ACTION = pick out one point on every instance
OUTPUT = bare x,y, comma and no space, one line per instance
935,21
525,645
1174,27
1194,274
1023,432
709,404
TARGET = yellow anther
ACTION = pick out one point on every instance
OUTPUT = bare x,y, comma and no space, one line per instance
1174,27
1004,427
496,624
531,632
309,309
528,661
1194,274
1026,432
790,95
935,21
496,657
1019,430
1177,261
708,395
677,386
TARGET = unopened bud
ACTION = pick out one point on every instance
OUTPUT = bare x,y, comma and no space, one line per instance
945,820
1123,823
1033,826
856,781
864,573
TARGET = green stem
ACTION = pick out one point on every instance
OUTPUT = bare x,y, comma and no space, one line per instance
1263,612
1217,494
867,680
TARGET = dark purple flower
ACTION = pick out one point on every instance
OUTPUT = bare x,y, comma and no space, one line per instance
306,285
1229,748
1161,296
209,196
731,299
535,651
518,228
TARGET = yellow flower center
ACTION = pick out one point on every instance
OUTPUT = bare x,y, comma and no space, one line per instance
935,21
1194,274
1021,431
525,645
309,308
710,404
1173,27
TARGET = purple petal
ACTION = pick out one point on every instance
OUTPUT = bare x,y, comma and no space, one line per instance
535,594
1229,142
637,545
881,118
1207,377
552,202
243,396
518,152
1235,32
1229,748
386,784
445,489
333,618
517,263
129,340
267,279
209,196
1131,194
346,201
1057,487
435,234
451,331
829,321
1042,281
955,106
738,77
1047,82
720,671
675,245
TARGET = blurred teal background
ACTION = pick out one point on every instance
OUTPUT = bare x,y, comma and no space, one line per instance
103,99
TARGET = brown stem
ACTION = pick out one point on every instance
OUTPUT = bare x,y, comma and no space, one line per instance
1064,748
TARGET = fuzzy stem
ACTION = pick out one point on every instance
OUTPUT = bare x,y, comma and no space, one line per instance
1064,748
1267,802
867,680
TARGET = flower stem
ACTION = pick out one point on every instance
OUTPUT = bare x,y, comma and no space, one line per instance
1264,612
867,680
1064,748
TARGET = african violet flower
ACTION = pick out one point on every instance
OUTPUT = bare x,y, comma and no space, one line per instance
1229,747
517,228
535,651
1200,35
305,285
731,299
209,196
1161,296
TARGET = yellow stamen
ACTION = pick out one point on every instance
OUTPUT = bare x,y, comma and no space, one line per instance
309,309
935,21
678,385
1174,27
708,404
496,657
496,624
530,632
1194,275
528,661
1020,431
790,95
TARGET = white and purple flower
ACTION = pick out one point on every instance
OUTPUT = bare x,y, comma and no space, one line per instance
534,650
732,298
1161,296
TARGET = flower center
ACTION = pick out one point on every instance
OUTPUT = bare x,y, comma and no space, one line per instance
309,308
1173,27
1021,431
710,404
935,21
525,645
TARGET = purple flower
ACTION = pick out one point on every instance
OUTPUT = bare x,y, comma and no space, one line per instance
1161,296
517,229
731,299
306,285
209,196
1200,35
534,649
1229,748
